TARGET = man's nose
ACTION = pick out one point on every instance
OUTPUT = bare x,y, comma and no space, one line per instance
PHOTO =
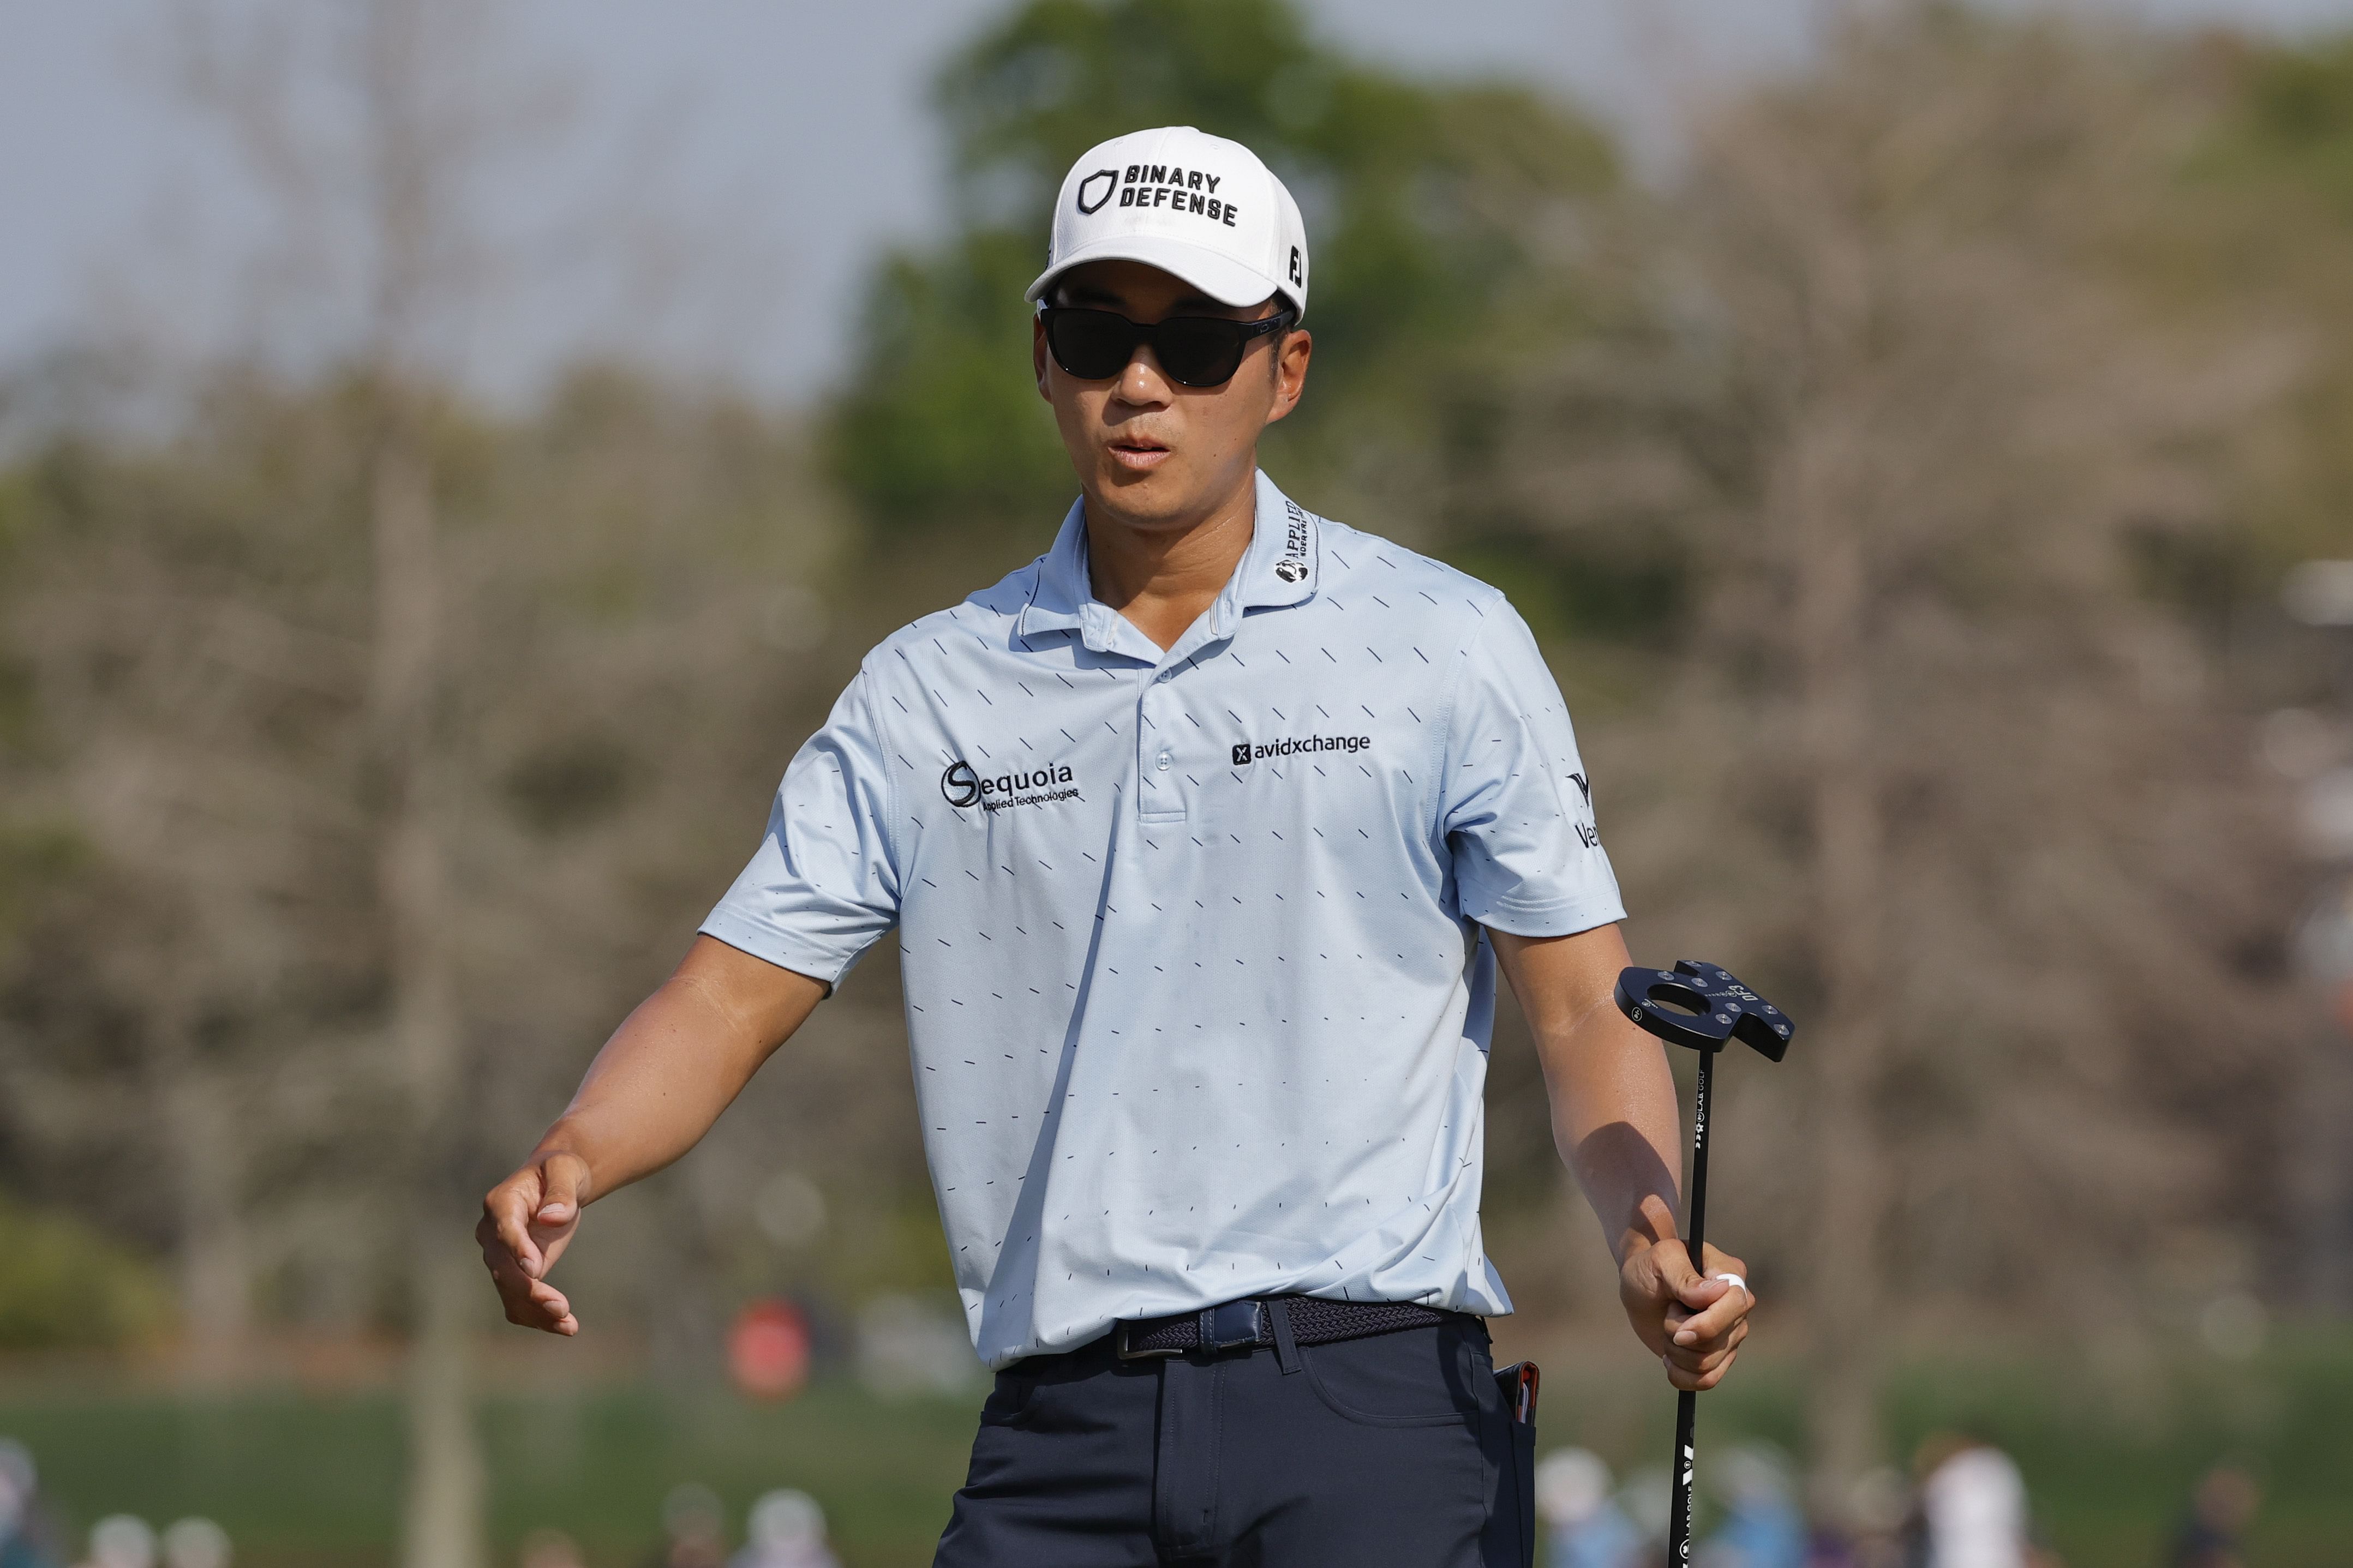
1144,381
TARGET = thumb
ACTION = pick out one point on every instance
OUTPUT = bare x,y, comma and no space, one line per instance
563,1180
1667,1254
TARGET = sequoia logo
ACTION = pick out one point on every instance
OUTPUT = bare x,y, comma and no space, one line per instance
1096,189
961,785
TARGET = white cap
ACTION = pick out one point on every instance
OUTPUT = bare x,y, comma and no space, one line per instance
1197,206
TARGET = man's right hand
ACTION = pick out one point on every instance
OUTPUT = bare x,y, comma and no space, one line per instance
656,1088
527,1221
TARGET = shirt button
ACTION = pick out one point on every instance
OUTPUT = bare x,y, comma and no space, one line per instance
1164,762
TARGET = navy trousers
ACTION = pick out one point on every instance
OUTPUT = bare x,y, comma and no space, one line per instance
1391,1449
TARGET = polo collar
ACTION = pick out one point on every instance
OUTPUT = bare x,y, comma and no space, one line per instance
1281,567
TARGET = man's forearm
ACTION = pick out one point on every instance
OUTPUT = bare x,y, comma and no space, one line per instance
1614,1115
1616,1123
676,1063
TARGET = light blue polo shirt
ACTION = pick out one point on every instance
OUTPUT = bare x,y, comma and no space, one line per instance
1196,983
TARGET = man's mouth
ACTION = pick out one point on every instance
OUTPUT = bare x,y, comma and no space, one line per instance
1139,454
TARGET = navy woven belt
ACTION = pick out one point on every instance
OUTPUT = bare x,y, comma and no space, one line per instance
1235,1325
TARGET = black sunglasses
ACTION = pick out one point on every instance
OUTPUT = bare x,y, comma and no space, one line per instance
1194,351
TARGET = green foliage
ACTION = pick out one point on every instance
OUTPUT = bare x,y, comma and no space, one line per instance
35,860
2298,112
2264,232
1440,215
66,1286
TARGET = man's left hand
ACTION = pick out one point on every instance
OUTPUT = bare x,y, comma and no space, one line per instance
1693,1322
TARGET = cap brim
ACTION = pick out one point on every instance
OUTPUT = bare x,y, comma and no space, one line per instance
1218,276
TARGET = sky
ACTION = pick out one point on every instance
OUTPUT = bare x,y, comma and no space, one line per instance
749,160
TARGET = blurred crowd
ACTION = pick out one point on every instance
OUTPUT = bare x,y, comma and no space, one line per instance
785,1529
1964,1506
29,1536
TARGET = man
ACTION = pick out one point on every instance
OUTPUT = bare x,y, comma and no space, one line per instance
1204,835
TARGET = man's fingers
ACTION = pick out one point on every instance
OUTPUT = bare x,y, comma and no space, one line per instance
1707,1355
550,1310
1699,1382
1731,1306
508,1210
526,1219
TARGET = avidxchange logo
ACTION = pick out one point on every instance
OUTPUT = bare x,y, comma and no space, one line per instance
1247,752
961,785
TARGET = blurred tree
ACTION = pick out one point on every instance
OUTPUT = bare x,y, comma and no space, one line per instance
68,1286
1446,221
1968,791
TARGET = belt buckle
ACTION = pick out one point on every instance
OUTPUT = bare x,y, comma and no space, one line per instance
1121,1347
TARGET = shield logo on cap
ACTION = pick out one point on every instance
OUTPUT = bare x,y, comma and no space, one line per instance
1090,199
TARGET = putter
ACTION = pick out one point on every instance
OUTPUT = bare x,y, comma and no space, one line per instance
1701,1006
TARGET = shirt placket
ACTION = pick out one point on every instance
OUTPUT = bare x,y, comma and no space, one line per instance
1164,794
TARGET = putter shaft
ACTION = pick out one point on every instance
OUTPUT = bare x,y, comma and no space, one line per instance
1679,1521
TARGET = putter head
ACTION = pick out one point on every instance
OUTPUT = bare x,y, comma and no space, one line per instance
1721,1009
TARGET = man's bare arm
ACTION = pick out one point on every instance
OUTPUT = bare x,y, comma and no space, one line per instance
1618,1128
672,1067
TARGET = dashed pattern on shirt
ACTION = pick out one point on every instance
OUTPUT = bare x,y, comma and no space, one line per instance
1194,992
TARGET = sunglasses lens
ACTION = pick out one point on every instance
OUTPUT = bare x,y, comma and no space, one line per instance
1200,350
1093,345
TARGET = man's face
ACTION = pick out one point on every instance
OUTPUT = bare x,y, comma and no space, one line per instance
1152,453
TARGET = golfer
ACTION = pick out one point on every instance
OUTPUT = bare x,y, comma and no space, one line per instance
1204,835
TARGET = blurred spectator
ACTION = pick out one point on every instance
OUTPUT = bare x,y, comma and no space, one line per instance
1972,1505
16,1549
196,1544
2220,1510
696,1528
1584,1528
1862,1525
121,1541
787,1531
550,1549
1762,1526
23,1541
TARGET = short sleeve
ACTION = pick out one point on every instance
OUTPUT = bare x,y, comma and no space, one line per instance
823,884
1516,807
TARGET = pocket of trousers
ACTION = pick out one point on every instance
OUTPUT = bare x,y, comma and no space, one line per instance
1421,1377
1009,1402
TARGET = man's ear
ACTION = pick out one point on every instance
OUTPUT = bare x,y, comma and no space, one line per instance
1290,356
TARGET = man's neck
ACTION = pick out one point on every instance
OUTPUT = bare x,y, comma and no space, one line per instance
1164,579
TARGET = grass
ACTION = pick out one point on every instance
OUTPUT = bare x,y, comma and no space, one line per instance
303,1478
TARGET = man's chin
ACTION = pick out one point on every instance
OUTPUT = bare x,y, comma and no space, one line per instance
1144,498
